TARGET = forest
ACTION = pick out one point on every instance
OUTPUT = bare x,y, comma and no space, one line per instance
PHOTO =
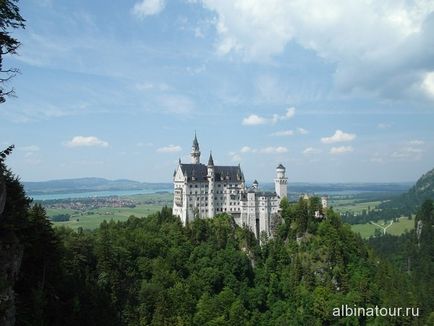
154,271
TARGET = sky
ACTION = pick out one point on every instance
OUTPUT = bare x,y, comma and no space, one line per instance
337,91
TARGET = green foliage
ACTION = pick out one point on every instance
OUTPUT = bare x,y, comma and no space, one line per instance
10,18
154,271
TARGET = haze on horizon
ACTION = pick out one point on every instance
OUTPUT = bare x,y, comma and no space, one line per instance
337,92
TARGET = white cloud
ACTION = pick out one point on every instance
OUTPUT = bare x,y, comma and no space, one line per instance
247,149
254,120
289,113
283,133
148,8
265,150
374,44
83,141
341,150
302,131
169,149
339,136
298,131
408,153
236,157
311,150
428,84
273,150
416,142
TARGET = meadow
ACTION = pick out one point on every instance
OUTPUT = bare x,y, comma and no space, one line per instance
91,218
397,228
150,203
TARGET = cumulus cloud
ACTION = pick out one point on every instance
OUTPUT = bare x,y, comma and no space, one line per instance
289,114
236,156
247,149
169,149
273,150
428,84
302,131
339,136
254,119
380,47
146,8
89,141
283,133
341,150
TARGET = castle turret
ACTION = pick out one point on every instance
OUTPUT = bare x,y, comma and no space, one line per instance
195,151
281,182
211,179
255,184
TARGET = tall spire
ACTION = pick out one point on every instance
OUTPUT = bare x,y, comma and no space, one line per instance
195,151
195,142
210,160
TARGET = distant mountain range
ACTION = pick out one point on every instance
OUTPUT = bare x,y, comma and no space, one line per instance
100,184
88,185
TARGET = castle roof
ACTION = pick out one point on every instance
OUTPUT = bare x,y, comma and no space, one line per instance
280,166
199,172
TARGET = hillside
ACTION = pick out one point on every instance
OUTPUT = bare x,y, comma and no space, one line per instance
409,202
86,185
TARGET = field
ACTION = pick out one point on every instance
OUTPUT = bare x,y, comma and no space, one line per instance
397,228
92,218
352,205
150,203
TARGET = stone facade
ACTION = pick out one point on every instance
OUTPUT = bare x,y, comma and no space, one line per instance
203,191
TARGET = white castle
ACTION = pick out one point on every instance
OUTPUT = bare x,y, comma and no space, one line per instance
203,191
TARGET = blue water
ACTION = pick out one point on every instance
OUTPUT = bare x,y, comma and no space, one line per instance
106,193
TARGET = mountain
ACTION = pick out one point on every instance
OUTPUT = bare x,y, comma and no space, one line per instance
87,185
100,184
410,201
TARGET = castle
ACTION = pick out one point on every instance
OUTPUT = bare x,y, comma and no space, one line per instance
203,191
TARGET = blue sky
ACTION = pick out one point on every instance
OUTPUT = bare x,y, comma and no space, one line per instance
336,91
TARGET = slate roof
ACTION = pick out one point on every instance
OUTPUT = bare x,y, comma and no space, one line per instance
198,172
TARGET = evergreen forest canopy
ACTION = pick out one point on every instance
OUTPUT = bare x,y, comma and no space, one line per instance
154,271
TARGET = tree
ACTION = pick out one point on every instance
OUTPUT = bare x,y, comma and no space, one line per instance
10,18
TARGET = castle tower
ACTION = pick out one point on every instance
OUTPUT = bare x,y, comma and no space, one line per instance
281,182
211,179
195,152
